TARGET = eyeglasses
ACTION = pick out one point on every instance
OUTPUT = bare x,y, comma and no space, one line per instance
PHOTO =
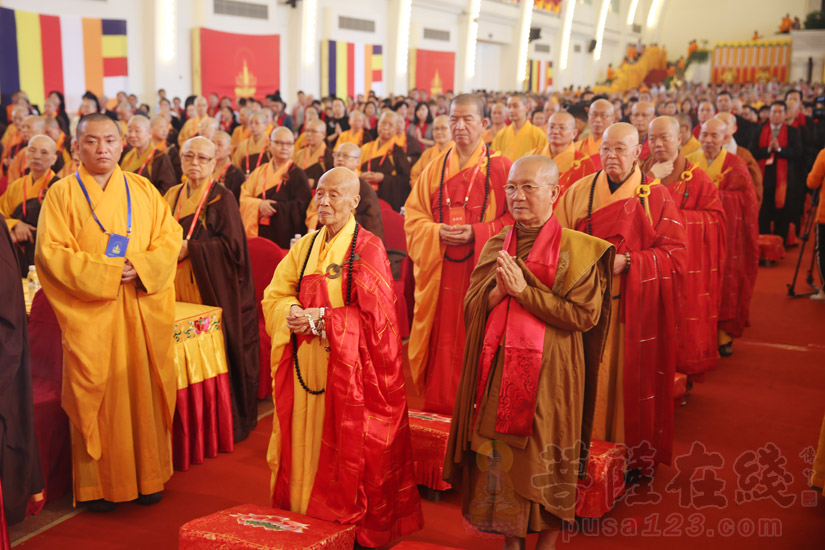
618,151
282,143
343,156
528,189
192,157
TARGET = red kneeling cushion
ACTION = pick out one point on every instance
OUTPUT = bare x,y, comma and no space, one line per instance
251,527
771,248
429,433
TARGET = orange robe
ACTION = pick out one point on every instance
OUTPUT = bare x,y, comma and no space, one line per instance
189,130
428,155
18,165
442,273
516,145
239,134
247,155
119,381
573,165
348,136
730,175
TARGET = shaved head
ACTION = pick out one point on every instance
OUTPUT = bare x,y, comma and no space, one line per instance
713,137
221,137
41,153
140,121
336,198
348,155
600,115
730,122
563,117
544,170
349,148
281,132
665,139
624,132
532,189
641,114
96,118
317,124
715,124
620,150
200,143
344,178
470,99
665,123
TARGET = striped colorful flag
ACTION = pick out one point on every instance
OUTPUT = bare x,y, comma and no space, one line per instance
349,69
69,54
539,76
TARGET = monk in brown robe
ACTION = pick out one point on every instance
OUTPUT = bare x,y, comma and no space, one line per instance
20,204
356,133
144,159
214,269
443,141
20,469
410,146
368,211
226,173
384,164
253,152
537,313
275,197
241,131
315,158
700,204
190,127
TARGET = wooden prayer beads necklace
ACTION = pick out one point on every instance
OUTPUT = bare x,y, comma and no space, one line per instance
352,257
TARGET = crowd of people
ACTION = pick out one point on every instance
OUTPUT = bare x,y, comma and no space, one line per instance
571,253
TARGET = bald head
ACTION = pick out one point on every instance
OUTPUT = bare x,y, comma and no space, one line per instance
197,160
223,147
713,137
387,125
624,132
201,144
472,100
663,136
600,116
544,170
281,132
201,106
32,125
561,131
96,118
138,120
730,122
336,198
532,189
640,116
281,145
620,150
343,179
51,128
41,154
207,127
44,141
348,155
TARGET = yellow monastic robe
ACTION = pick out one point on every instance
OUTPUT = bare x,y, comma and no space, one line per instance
239,134
189,130
348,136
132,161
306,157
489,135
608,418
18,165
691,146
307,410
262,178
426,157
514,146
371,150
300,141
13,197
249,146
590,145
713,169
186,288
119,383
563,160
9,136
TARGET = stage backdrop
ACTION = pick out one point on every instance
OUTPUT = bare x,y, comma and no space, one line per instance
235,65
42,53
752,61
349,69
431,71
539,76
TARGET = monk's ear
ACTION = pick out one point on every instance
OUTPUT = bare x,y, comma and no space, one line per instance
637,150
485,123
356,200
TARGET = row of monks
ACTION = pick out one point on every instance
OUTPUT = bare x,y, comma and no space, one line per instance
558,287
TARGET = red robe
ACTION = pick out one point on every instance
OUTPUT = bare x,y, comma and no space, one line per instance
742,230
366,427
643,156
704,215
649,311
582,165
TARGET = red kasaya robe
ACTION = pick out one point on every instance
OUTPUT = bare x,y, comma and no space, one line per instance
582,165
364,474
696,196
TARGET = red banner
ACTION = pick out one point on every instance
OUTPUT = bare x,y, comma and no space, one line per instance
431,71
236,65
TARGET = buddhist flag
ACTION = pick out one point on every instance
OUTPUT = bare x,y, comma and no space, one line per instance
349,69
539,76
432,71
42,53
235,65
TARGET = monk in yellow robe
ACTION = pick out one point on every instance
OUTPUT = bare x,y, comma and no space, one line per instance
106,253
32,126
340,444
315,158
12,141
275,197
356,133
254,151
241,131
384,163
689,142
52,129
456,207
144,159
600,115
443,141
20,204
310,114
520,137
620,204
571,164
190,127
498,120
208,127
537,311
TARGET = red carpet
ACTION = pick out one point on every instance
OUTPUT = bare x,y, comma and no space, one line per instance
770,394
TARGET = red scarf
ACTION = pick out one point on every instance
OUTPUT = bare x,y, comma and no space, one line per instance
781,164
523,338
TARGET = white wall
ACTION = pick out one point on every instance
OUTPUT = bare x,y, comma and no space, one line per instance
722,20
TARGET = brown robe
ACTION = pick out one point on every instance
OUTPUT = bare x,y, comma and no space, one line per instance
753,168
318,169
396,169
292,200
526,491
232,180
173,152
19,459
220,263
25,251
160,172
368,211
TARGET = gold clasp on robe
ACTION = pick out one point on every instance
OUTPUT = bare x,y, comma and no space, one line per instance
334,270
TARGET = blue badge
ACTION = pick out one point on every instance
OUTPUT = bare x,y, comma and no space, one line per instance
116,248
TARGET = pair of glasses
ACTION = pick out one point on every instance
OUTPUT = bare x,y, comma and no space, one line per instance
528,189
192,157
342,156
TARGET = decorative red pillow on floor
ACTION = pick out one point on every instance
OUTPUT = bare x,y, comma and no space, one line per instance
771,248
251,527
